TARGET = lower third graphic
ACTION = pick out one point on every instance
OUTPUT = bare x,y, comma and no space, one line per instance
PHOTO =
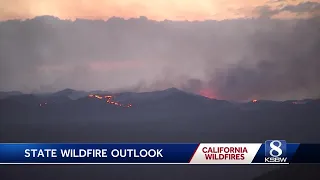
275,151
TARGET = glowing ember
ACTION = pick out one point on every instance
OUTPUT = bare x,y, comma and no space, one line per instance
207,93
109,100
99,97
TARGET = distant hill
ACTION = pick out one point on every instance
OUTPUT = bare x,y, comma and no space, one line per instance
169,116
154,95
296,172
100,92
65,92
70,93
10,93
23,98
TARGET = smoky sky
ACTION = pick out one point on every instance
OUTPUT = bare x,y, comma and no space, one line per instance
235,59
307,7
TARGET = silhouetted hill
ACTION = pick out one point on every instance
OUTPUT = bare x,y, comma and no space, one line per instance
100,92
23,99
65,92
11,93
70,93
145,96
161,116
158,95
296,172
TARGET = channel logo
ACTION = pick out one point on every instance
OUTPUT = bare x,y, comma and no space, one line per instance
275,151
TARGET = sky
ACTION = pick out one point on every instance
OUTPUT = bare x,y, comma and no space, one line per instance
155,9
275,55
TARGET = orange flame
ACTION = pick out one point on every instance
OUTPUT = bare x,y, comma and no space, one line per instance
99,97
207,93
254,101
109,100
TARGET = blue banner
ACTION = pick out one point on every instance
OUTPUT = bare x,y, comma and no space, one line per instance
270,152
96,153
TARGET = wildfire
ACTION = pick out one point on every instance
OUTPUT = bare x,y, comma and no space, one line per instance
254,101
97,96
110,100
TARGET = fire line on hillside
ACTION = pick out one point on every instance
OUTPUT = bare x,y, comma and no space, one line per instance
110,100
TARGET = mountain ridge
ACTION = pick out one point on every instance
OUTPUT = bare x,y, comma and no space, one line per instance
77,94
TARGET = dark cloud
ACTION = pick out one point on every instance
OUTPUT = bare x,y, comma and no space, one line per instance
233,59
309,7
312,8
266,11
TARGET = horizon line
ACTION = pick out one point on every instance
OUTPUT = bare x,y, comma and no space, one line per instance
128,91
150,19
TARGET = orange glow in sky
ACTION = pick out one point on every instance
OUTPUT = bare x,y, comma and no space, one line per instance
207,93
153,9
